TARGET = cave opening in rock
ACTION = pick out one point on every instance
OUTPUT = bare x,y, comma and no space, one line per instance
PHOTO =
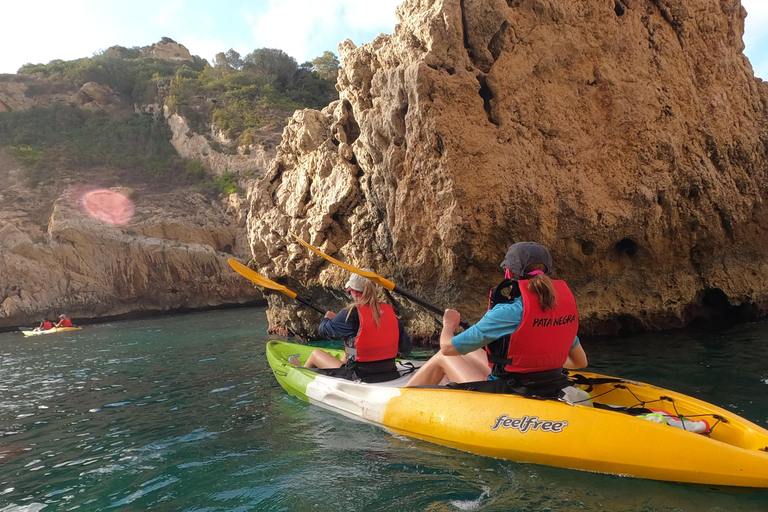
713,307
487,95
626,246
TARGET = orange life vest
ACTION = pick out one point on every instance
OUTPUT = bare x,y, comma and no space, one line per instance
66,322
374,343
544,338
47,326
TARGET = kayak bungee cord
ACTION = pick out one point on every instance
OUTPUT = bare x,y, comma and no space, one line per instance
381,281
264,282
640,407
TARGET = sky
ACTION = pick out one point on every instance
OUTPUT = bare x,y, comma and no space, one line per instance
43,30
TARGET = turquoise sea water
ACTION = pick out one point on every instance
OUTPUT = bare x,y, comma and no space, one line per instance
183,413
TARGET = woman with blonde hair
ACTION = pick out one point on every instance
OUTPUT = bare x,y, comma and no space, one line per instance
522,343
373,337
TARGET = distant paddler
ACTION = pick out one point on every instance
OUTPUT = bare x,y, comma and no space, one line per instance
45,325
64,321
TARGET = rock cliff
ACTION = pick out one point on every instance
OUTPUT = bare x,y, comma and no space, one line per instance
171,255
193,145
27,92
629,136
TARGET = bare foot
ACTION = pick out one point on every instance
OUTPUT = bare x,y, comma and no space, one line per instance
294,360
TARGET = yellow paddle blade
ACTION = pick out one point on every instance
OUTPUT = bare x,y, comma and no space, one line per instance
258,278
376,278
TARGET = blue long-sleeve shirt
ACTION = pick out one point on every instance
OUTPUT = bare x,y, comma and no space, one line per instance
342,328
503,319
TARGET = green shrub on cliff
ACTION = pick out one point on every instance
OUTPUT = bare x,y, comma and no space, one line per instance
253,94
135,78
46,138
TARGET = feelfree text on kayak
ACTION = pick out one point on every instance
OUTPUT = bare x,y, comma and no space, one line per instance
527,423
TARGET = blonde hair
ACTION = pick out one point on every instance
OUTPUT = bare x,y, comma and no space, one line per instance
541,286
368,298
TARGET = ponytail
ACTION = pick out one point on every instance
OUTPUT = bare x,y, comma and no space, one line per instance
541,286
368,298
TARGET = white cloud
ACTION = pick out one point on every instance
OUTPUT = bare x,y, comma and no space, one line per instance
168,13
67,30
756,36
205,47
306,28
63,33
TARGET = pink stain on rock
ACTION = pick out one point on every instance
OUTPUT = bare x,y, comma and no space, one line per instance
108,206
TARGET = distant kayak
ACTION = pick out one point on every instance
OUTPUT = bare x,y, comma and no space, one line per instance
50,331
677,438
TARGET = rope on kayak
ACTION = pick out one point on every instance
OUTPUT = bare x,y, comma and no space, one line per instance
641,407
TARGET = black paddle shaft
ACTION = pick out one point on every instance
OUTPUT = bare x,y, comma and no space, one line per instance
307,303
425,304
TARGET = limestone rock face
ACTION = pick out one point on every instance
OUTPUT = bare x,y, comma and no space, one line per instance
13,97
94,96
168,49
628,136
25,92
193,145
172,255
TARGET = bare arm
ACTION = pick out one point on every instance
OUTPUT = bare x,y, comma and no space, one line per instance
451,319
577,358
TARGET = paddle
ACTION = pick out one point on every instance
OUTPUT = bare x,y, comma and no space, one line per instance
268,283
376,278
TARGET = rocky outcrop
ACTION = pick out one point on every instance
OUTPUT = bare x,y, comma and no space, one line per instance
168,49
92,96
27,92
13,97
172,255
193,145
628,136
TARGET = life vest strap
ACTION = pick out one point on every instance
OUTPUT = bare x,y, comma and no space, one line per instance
499,359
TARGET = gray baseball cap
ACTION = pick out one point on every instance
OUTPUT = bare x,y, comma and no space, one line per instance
522,254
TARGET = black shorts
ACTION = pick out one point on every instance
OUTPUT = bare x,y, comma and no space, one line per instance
370,372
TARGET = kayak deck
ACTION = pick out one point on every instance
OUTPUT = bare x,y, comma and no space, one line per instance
732,452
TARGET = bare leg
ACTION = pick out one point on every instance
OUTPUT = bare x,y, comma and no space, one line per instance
322,359
456,368
479,359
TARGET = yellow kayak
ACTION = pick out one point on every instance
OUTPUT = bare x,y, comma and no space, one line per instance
50,331
708,445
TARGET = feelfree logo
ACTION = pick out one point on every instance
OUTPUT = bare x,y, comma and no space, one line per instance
527,423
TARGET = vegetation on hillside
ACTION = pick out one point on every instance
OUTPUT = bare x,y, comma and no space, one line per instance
250,98
247,98
47,139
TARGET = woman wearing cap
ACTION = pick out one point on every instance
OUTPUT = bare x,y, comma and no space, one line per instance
373,336
64,321
524,340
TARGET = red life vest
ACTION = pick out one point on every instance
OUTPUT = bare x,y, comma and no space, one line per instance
377,343
47,326
544,338
66,322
